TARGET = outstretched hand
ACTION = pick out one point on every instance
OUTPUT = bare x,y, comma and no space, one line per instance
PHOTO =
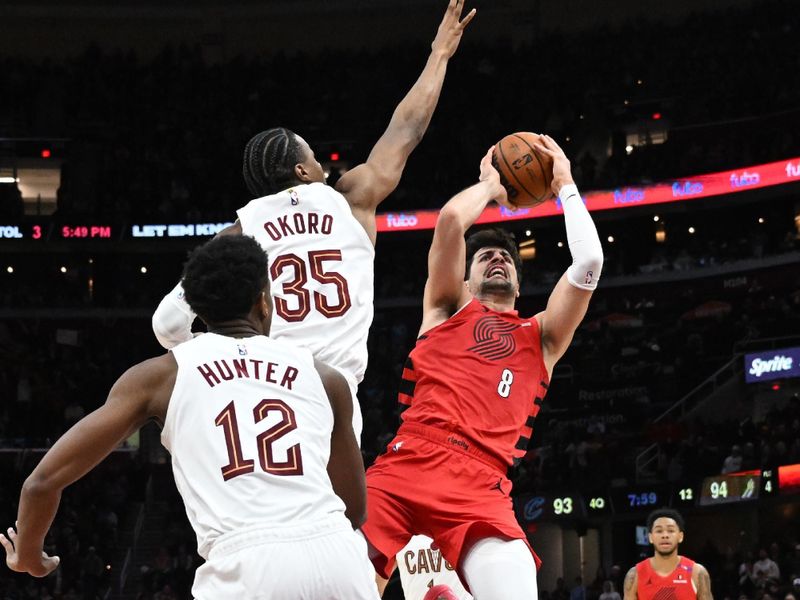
450,29
38,568
562,175
492,177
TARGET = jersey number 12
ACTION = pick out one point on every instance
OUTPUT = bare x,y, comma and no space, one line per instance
238,464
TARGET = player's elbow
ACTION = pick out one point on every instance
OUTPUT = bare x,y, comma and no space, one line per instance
451,218
584,273
171,327
163,334
592,260
38,485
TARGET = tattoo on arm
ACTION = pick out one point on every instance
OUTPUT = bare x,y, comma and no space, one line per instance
703,584
629,587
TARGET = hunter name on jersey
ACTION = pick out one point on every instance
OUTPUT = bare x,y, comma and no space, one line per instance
217,371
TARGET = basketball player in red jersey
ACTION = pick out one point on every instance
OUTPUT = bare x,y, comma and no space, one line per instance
667,575
474,384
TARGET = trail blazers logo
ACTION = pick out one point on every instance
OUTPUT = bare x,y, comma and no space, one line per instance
494,338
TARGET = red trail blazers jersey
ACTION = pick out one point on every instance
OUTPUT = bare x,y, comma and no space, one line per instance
480,375
678,585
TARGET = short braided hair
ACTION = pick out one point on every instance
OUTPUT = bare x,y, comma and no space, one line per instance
269,161
223,278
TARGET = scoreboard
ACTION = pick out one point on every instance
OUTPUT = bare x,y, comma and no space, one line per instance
744,486
732,487
46,231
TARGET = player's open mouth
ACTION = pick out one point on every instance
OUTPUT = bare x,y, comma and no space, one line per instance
497,270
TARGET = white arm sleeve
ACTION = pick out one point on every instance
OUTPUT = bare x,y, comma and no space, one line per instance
172,321
584,243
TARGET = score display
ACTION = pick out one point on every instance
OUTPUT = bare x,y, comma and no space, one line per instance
598,504
733,487
551,507
103,231
684,496
23,232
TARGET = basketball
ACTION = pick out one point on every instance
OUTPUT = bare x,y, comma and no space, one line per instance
525,173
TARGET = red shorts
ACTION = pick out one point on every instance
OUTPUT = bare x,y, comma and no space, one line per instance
431,482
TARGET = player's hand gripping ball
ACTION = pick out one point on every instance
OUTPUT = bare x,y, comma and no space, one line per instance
526,173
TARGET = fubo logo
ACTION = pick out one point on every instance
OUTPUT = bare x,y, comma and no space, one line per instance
401,220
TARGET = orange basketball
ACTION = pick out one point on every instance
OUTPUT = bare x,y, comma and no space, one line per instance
525,173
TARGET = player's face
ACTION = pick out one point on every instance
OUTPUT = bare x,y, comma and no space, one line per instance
310,168
493,271
665,536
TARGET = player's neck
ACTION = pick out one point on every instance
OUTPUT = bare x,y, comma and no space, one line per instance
665,564
497,302
235,329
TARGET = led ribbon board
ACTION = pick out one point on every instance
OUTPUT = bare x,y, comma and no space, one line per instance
677,190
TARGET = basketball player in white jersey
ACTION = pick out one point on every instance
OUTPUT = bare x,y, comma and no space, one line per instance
423,567
262,447
321,239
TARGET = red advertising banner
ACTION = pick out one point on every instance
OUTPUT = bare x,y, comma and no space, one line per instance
678,190
789,478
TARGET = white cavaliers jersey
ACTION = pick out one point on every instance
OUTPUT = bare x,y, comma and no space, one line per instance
249,430
321,265
421,568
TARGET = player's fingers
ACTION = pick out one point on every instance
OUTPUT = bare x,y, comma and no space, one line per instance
4,541
471,15
543,150
12,535
50,561
552,143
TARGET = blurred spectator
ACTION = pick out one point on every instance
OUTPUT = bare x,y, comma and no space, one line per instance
609,593
733,462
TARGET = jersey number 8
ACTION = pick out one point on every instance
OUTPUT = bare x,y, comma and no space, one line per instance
504,387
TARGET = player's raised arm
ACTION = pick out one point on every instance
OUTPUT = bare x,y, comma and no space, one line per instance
140,394
569,301
368,184
445,290
173,318
345,465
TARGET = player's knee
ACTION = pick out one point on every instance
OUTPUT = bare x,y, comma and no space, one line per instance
496,568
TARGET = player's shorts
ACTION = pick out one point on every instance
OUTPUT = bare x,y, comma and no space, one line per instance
435,483
319,560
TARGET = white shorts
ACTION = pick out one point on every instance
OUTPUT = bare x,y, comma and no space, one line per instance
322,561
422,568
